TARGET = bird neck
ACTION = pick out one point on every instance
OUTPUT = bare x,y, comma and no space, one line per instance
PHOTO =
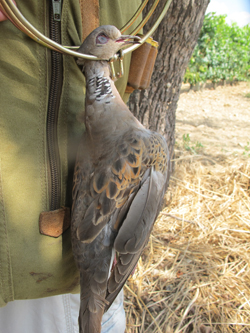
101,95
98,81
105,111
93,68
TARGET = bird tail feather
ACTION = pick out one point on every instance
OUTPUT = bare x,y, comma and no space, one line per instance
91,312
90,322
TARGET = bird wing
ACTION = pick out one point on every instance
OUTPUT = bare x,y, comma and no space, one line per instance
126,192
107,187
136,227
135,230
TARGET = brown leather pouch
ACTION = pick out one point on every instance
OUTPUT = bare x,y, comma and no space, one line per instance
142,65
55,222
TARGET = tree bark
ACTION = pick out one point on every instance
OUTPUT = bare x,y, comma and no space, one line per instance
177,34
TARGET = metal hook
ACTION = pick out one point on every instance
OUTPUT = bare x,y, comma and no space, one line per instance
119,56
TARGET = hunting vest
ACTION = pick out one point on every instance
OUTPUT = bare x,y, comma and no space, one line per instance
42,98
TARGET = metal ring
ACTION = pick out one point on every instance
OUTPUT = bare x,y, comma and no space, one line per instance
134,17
147,17
16,17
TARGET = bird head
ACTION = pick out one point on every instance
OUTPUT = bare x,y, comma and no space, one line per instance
104,42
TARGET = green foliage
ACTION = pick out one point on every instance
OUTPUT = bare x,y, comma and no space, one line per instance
194,147
186,138
247,150
222,52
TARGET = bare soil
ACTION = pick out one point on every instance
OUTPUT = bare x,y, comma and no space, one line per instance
218,119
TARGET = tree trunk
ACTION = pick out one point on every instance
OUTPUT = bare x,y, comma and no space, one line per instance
177,34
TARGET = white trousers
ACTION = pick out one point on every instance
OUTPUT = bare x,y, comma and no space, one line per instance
56,314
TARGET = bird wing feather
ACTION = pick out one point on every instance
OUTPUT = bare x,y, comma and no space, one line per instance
135,230
107,188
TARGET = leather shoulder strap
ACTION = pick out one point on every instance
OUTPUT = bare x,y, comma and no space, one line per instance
90,16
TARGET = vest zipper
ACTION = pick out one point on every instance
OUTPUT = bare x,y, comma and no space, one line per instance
53,108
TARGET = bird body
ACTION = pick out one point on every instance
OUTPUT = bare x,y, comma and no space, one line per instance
120,179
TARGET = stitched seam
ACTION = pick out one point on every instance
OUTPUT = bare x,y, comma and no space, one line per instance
7,295
3,214
42,97
64,108
81,6
67,312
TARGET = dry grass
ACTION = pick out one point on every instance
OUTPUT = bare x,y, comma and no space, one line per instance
195,274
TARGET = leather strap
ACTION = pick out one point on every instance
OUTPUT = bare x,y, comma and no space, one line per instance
90,16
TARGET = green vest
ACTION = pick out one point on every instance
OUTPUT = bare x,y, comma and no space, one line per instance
33,265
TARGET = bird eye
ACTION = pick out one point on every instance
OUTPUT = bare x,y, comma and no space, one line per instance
102,39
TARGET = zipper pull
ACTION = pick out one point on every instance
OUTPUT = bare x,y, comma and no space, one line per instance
57,9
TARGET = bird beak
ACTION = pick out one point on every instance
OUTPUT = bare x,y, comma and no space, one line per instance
127,39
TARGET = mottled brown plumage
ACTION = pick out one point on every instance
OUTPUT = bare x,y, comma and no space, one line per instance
120,179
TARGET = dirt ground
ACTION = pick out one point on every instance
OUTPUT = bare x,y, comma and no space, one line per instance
218,120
